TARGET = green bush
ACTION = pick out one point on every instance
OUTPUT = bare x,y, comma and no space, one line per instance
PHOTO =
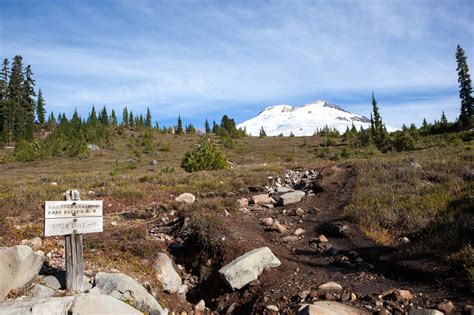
403,142
28,151
205,156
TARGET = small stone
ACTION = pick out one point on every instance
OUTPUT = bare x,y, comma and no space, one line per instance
267,221
402,295
52,282
290,239
447,307
332,252
40,291
299,211
345,297
186,198
276,226
243,202
328,296
424,311
304,294
261,199
34,243
299,232
330,286
200,306
322,239
54,184
272,309
113,223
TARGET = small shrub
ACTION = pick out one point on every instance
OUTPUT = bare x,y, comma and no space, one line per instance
404,142
168,170
27,151
205,156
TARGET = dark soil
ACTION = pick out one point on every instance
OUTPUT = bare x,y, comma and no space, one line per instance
303,267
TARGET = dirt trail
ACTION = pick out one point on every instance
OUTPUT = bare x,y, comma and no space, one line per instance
355,262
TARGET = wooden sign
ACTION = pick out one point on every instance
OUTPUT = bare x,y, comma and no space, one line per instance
73,217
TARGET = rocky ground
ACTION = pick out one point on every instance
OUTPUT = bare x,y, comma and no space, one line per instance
288,249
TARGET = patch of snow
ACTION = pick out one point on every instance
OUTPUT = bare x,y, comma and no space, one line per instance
304,121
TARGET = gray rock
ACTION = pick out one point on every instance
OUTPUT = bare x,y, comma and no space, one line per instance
424,311
166,274
93,147
52,282
186,198
283,189
267,221
100,304
330,308
292,197
262,199
35,243
243,202
19,265
49,306
248,267
299,211
330,286
40,291
123,287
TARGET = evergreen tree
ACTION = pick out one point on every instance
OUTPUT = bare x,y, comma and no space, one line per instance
4,72
4,79
27,106
190,129
140,122
51,121
207,128
113,118
148,118
227,124
157,126
131,120
125,117
14,115
215,127
465,89
92,119
40,111
262,133
179,129
104,117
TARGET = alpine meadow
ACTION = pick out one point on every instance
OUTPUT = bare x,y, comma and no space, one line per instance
208,157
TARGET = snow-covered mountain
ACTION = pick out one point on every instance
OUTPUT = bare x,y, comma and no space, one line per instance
303,121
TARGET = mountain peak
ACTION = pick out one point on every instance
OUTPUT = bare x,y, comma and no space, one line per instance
304,120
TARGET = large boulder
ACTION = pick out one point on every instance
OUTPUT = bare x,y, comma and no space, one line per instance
100,304
292,197
248,267
330,308
186,198
123,287
166,274
19,265
48,306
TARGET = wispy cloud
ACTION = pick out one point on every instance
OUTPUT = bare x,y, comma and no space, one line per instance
206,58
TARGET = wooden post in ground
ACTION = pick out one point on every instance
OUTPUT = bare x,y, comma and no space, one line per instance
73,253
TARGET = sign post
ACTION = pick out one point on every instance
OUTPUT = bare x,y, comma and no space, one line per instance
72,218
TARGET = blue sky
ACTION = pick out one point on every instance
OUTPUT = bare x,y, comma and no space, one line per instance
208,58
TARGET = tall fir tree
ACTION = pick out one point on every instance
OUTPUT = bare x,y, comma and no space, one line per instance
207,128
179,129
15,116
104,117
113,118
131,120
125,117
465,89
92,120
262,133
148,123
27,106
4,72
40,110
215,127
